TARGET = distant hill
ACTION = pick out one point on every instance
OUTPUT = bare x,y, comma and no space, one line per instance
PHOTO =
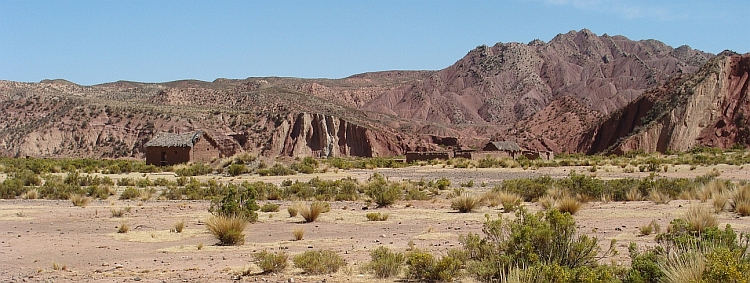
544,95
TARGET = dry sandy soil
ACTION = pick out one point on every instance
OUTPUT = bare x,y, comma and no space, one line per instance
36,235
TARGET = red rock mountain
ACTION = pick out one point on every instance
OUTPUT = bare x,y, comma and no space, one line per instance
709,107
544,95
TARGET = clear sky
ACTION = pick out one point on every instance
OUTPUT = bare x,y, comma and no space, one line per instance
92,42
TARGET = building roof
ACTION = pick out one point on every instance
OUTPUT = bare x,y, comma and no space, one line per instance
175,140
506,145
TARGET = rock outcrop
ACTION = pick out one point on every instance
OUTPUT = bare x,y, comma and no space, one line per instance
709,107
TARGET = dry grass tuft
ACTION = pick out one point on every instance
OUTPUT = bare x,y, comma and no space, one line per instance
569,204
683,267
547,202
377,216
699,218
720,201
298,234
228,230
742,207
741,200
80,200
179,226
311,213
659,197
634,194
292,211
57,266
124,228
652,227
465,204
117,212
30,194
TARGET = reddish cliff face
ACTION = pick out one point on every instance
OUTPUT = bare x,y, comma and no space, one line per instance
707,108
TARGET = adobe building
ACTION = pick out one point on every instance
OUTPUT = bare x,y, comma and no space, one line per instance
173,148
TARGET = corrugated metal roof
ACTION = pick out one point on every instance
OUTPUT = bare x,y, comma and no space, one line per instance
506,145
175,140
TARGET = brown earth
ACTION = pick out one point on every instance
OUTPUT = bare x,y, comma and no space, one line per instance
35,234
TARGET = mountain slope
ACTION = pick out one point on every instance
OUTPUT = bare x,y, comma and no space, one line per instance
709,107
509,82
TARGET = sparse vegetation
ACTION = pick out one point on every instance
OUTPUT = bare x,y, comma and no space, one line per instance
466,203
269,207
80,200
229,230
377,216
568,204
123,228
271,262
384,263
319,262
298,234
699,218
179,226
310,213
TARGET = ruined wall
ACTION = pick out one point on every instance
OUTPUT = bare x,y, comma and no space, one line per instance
173,155
204,151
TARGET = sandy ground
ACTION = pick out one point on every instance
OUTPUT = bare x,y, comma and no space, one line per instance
38,235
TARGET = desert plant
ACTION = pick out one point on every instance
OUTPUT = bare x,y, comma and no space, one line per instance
319,262
547,202
123,228
117,212
634,194
465,204
298,234
699,218
235,169
568,204
311,213
269,207
80,200
227,229
239,201
384,263
30,194
659,197
131,193
292,211
179,226
742,207
681,267
652,227
377,216
720,201
425,267
270,262
382,192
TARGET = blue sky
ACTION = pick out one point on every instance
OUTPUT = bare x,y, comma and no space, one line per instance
92,42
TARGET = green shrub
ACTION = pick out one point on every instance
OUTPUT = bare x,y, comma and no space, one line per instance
442,183
131,193
424,267
127,181
238,202
236,169
541,238
269,207
195,169
271,262
11,188
383,192
384,263
278,169
319,262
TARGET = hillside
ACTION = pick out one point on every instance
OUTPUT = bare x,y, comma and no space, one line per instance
706,108
544,95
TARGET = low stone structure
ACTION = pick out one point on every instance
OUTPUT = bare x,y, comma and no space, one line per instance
173,148
428,155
